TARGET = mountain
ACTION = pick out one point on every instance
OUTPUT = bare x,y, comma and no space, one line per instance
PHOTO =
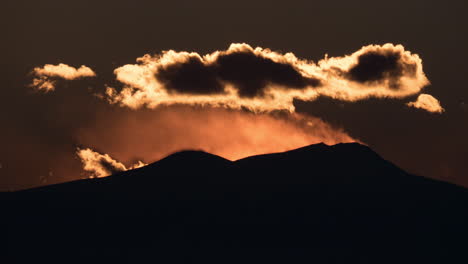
316,204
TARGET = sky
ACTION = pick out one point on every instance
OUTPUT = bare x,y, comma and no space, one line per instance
48,118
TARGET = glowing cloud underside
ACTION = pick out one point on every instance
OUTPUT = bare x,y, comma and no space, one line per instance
101,165
45,77
227,133
428,103
263,80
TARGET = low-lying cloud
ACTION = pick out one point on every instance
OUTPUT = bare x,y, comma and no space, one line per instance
101,165
153,134
45,77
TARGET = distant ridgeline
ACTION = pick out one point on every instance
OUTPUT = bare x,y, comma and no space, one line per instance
317,204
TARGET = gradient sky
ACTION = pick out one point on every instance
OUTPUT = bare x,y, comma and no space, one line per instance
39,130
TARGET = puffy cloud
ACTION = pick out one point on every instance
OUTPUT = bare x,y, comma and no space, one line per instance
101,165
428,103
45,77
263,80
250,73
189,101
64,71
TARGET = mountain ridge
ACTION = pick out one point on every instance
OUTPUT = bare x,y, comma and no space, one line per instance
311,204
198,157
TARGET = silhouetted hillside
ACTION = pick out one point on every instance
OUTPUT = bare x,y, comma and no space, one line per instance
317,204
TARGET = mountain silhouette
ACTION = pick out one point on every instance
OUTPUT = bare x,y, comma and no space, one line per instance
316,204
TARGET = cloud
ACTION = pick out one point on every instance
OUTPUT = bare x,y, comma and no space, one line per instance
263,80
154,134
101,165
250,73
190,101
428,103
43,84
45,77
64,71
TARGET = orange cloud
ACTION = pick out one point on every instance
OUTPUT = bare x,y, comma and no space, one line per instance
263,80
192,101
45,76
428,103
154,134
101,165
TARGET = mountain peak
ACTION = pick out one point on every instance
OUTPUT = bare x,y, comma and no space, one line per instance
194,157
319,149
355,146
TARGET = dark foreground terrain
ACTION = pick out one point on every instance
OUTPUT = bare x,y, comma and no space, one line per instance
317,204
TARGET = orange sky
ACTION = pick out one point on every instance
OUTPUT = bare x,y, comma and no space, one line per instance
153,134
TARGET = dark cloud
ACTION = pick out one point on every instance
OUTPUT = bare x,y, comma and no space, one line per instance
190,77
378,66
248,72
251,73
263,80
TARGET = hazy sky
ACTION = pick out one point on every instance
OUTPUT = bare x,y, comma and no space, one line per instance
41,131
